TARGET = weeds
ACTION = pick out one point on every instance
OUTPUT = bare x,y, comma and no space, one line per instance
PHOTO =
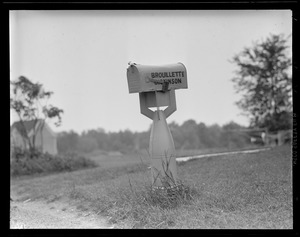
168,198
165,179
138,205
146,206
170,194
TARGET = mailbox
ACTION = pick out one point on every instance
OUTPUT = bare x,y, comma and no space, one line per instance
145,78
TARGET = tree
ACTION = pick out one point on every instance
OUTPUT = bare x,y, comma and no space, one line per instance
232,126
231,136
208,136
29,101
67,141
189,131
177,134
87,144
265,81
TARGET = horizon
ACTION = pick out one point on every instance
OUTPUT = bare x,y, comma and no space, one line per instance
117,131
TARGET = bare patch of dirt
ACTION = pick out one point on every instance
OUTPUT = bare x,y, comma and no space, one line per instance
55,215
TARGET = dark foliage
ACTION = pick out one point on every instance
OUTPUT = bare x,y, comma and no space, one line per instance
265,82
24,162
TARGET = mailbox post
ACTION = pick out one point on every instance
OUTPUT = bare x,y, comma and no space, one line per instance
156,87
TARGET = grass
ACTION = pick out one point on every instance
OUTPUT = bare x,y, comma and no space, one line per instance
113,161
231,191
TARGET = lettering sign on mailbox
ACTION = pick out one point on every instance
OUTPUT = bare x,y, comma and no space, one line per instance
143,78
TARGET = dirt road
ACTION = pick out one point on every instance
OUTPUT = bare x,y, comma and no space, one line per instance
56,215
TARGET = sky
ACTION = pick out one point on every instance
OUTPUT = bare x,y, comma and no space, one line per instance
82,56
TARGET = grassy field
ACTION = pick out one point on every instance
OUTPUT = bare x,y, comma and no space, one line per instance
230,191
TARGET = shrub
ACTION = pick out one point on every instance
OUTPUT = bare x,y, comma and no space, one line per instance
24,162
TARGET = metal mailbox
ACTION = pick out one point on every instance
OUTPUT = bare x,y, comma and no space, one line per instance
145,78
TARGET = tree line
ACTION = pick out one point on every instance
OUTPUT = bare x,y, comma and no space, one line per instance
187,136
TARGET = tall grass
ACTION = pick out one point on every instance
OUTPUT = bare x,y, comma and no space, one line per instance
131,202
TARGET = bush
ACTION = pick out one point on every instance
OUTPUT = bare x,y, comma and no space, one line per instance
24,162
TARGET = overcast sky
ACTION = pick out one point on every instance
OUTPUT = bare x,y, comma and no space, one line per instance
82,56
